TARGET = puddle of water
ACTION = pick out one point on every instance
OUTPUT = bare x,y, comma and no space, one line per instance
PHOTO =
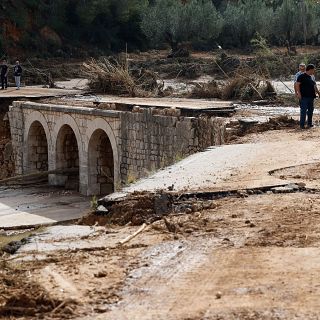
17,235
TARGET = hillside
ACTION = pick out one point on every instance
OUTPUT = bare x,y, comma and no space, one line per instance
68,28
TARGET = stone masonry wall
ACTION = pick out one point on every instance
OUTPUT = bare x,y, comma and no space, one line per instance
38,147
16,129
150,142
141,142
83,122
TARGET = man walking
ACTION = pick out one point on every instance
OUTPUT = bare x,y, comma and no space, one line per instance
306,89
17,74
4,75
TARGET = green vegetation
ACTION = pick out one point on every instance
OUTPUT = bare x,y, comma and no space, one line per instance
74,28
173,22
94,203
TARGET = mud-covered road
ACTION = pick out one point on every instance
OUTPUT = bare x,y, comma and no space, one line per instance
251,258
250,255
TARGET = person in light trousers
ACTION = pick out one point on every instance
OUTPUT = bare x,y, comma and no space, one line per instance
306,89
17,74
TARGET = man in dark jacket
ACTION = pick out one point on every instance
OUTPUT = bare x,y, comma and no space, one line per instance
17,70
4,75
306,89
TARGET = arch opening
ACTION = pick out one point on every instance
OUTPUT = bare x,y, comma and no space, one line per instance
100,164
67,158
37,146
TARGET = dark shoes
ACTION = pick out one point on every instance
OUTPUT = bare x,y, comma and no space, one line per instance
308,127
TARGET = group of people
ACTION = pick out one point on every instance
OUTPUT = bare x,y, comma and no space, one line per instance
4,71
305,88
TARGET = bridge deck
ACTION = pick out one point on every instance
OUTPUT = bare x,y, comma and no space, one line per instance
187,105
35,92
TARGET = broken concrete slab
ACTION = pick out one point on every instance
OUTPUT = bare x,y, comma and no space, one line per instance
291,187
240,166
39,206
35,92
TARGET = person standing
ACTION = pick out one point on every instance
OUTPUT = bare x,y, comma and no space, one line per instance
4,75
306,89
17,74
302,69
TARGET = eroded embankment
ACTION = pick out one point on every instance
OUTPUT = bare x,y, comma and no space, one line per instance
147,207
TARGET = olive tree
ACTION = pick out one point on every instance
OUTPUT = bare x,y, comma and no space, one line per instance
172,22
287,21
242,20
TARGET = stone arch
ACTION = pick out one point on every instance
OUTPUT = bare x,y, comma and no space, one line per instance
64,119
67,158
102,157
100,164
37,143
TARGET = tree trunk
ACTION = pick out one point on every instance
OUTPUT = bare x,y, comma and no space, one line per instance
173,43
304,22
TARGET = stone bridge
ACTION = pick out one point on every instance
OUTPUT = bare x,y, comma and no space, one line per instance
97,151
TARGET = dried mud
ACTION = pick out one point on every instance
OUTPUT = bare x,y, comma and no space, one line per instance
127,282
20,297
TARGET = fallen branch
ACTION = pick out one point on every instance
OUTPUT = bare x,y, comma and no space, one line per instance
37,71
61,305
114,77
255,89
141,229
221,69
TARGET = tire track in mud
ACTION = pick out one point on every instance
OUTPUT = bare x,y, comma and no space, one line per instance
172,281
175,275
248,279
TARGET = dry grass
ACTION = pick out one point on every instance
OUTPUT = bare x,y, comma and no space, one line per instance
112,77
20,297
236,88
247,89
206,90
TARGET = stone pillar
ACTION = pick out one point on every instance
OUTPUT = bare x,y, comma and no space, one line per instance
16,119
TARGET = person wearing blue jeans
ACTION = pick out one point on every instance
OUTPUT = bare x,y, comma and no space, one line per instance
306,109
306,90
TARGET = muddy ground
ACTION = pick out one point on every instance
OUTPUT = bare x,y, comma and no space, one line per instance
253,254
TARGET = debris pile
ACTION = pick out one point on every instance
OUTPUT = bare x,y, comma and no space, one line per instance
206,90
247,88
114,77
243,127
238,87
136,209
